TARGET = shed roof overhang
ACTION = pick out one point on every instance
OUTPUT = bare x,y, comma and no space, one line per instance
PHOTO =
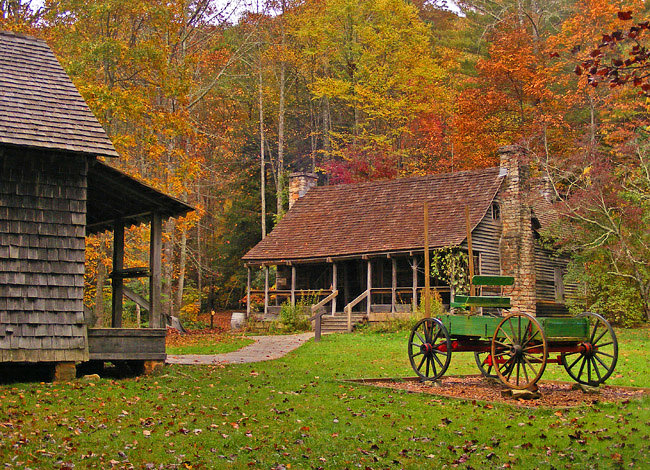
114,195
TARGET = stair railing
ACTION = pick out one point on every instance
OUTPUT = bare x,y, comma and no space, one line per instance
348,307
318,311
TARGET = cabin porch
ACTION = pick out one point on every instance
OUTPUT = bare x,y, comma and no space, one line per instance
115,202
372,288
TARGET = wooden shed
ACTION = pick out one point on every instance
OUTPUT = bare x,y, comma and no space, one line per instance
362,245
53,192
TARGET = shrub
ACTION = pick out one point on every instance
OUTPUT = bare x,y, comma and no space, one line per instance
293,318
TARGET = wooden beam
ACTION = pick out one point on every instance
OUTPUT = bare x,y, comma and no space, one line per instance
346,284
293,286
248,292
266,290
155,265
393,297
427,264
137,298
470,253
369,288
334,287
117,282
414,268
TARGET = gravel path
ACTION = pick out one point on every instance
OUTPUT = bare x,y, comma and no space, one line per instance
264,348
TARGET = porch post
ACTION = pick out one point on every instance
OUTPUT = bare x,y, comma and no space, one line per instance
414,267
369,284
333,287
266,290
155,286
346,284
248,292
118,280
393,298
293,286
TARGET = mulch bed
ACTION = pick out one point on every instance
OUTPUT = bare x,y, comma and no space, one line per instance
478,388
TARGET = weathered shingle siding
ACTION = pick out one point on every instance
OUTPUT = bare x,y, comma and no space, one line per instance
42,229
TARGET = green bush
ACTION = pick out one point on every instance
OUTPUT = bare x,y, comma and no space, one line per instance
614,297
406,323
293,318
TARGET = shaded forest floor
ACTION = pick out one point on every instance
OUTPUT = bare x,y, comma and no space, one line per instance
296,412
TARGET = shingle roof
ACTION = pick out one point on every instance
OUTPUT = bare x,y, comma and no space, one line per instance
113,194
379,217
39,105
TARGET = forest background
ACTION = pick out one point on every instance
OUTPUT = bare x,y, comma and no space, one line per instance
216,102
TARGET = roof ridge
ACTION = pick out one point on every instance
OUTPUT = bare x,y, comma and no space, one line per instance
4,32
407,179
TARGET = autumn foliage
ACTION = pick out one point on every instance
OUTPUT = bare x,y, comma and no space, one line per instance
360,90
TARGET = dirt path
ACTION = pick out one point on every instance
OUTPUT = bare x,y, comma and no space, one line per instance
264,348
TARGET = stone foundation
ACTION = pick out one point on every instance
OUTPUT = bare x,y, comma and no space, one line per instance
153,367
64,372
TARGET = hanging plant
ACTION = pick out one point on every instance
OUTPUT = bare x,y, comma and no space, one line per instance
451,266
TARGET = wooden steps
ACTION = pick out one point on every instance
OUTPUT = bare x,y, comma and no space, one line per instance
339,322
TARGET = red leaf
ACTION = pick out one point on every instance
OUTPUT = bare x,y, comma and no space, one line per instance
624,15
578,70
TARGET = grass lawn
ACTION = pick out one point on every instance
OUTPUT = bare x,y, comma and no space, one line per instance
219,343
295,413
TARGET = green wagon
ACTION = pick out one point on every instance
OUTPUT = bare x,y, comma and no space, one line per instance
517,347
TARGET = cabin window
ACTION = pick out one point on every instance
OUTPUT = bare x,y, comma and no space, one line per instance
496,211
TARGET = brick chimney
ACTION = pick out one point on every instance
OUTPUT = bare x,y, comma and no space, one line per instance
517,244
299,184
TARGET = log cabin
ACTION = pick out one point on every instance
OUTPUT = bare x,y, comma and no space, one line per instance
55,190
361,245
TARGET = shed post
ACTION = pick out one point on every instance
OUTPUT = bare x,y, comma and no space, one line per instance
293,286
118,267
393,296
369,284
155,285
414,268
266,290
334,275
248,292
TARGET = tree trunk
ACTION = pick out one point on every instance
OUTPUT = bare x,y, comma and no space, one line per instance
168,273
280,167
281,113
262,160
181,273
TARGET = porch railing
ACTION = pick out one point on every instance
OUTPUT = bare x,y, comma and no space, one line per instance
318,311
348,308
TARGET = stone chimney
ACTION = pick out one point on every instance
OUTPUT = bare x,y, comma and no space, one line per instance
517,244
299,184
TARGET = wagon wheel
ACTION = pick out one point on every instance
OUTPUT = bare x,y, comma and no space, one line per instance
429,349
596,359
484,363
519,350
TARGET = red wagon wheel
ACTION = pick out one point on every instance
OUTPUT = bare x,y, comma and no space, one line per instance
519,351
597,356
429,349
